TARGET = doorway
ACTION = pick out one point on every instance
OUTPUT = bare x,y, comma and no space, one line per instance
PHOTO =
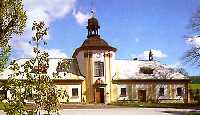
142,95
99,95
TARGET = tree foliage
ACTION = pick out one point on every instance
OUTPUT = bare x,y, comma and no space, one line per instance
4,55
195,21
30,81
182,71
12,21
192,56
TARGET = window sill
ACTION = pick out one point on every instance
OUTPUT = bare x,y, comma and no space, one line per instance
123,95
74,97
179,96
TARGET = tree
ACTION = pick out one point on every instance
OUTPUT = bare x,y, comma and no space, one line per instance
12,21
192,56
182,71
195,21
4,55
30,81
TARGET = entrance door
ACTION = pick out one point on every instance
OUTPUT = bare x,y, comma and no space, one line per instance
142,95
99,95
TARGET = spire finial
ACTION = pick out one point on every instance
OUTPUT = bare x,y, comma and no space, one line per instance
92,11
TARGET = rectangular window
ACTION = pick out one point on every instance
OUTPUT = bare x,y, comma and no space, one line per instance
39,69
98,69
123,92
161,91
179,91
74,91
3,94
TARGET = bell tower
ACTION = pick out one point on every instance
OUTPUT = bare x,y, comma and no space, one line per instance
95,58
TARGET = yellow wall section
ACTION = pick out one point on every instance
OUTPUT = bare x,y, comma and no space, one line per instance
108,77
114,93
130,92
89,78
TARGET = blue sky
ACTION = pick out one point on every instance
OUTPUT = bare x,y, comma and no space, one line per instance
132,26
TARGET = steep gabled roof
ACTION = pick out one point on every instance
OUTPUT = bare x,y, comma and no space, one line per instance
132,71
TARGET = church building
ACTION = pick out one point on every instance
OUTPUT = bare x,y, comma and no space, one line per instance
95,75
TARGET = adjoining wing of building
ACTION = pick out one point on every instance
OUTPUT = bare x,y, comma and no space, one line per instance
96,76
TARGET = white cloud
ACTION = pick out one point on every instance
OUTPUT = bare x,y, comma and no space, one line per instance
23,49
40,10
81,17
156,54
48,10
56,53
195,41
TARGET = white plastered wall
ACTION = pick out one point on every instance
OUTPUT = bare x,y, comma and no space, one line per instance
80,60
68,88
175,90
166,95
119,91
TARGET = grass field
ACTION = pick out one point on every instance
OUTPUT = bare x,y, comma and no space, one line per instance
194,86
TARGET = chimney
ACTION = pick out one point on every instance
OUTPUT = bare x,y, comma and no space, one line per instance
150,55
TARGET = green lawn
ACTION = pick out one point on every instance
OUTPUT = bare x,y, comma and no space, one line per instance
195,86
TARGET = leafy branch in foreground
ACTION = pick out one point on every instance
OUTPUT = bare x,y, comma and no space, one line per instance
30,81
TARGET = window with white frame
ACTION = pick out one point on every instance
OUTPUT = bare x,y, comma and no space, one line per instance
161,91
179,91
98,69
74,92
123,92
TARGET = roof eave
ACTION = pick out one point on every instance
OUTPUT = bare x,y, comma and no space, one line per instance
151,80
108,48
